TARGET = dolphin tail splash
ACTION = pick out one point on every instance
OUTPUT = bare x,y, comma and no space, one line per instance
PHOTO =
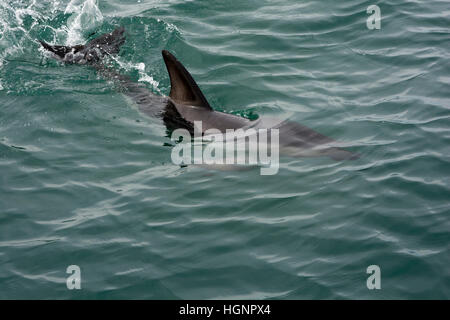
93,51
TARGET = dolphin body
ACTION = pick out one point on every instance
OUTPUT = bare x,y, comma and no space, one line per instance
187,104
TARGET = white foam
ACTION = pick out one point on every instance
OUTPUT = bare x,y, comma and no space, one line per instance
14,34
85,16
144,77
169,26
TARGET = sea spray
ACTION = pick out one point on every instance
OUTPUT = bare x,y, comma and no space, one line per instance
85,16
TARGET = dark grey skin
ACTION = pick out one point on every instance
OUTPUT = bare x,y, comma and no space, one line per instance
186,103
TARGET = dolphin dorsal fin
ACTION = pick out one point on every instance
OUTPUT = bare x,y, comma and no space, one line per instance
183,89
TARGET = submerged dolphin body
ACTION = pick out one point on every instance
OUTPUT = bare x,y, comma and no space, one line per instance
187,104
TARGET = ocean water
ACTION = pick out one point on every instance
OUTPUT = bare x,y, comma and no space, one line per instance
87,180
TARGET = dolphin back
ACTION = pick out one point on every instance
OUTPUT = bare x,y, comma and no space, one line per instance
187,104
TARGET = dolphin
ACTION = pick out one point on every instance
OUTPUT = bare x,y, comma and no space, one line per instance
186,103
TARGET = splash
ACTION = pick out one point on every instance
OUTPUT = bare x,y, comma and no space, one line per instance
22,20
13,32
85,16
